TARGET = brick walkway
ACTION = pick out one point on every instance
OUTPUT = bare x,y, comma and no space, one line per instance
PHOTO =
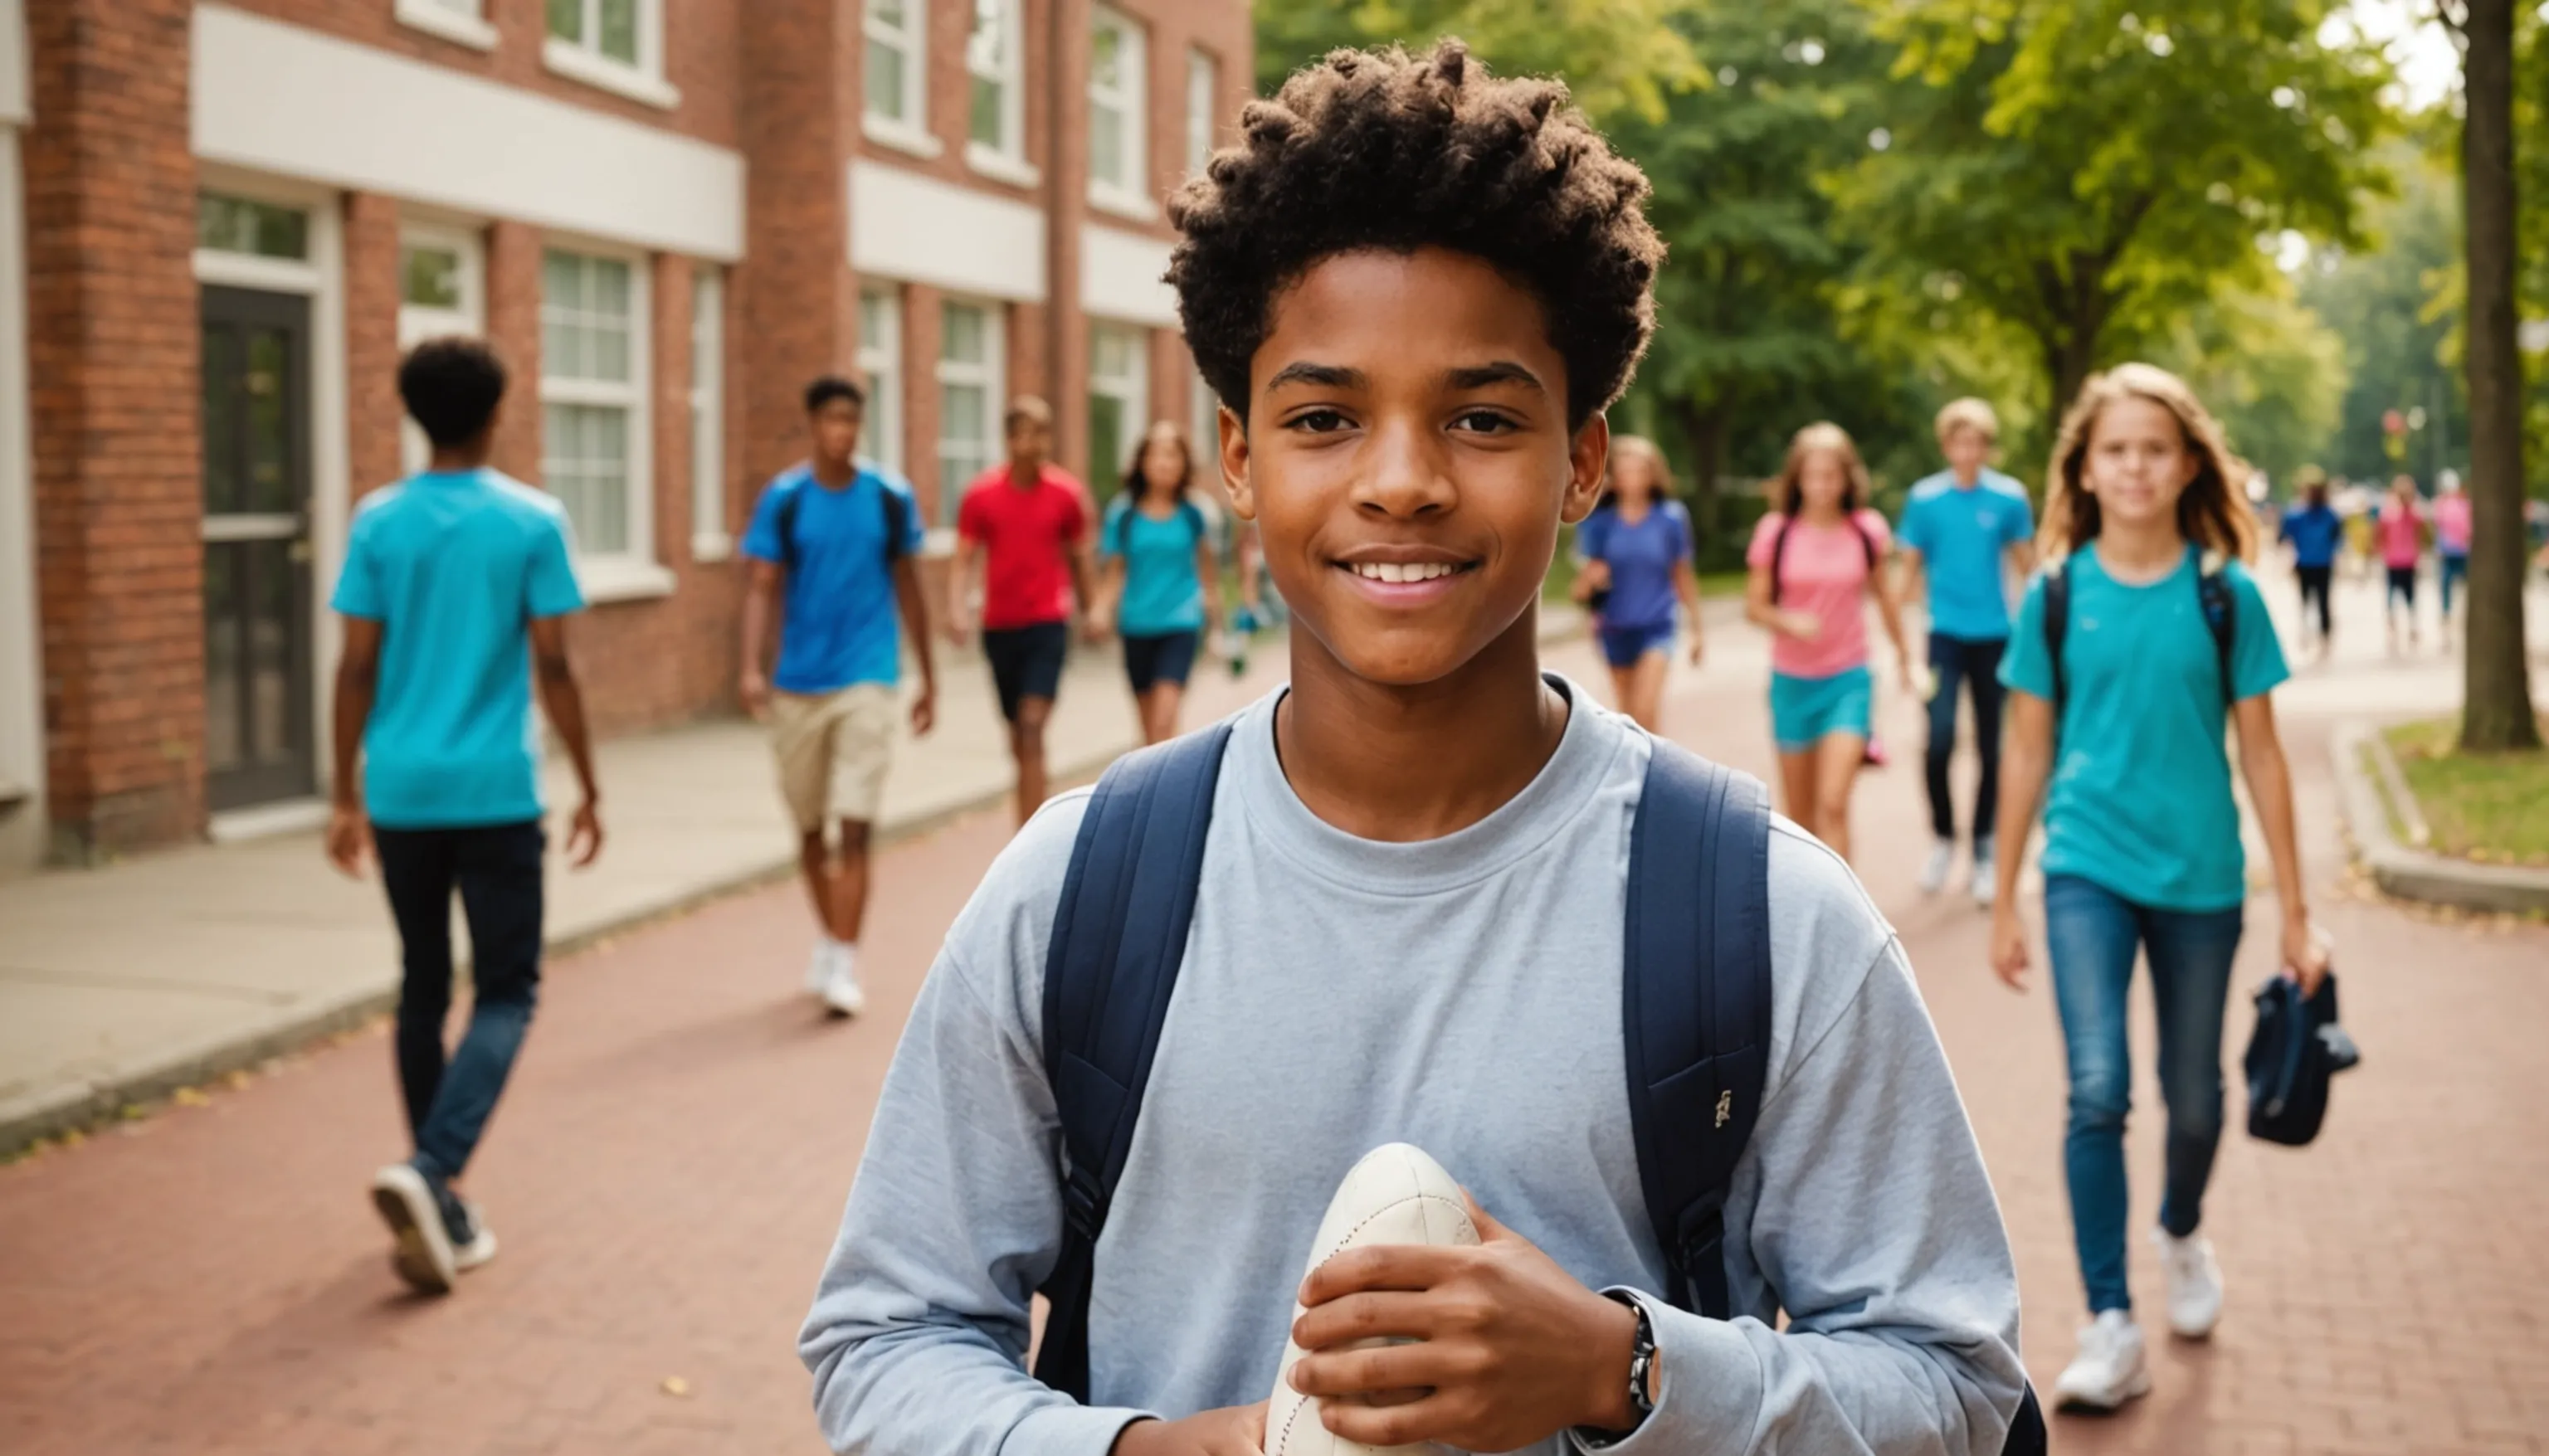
669,1163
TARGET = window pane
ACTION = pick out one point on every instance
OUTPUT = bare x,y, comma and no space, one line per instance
1106,59
431,277
234,225
888,13
562,347
987,50
584,459
1106,144
1198,110
965,330
884,81
872,319
985,125
1106,444
566,20
619,30
608,280
1110,356
221,432
265,381
223,648
562,281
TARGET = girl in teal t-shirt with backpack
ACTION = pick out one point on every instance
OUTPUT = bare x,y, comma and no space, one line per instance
1161,576
2142,636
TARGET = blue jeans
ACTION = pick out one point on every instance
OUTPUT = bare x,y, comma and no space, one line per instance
2452,567
2094,935
497,872
1974,665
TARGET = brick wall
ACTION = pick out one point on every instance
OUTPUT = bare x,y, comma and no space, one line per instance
371,283
114,364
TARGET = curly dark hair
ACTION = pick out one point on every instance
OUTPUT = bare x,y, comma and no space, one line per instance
1384,149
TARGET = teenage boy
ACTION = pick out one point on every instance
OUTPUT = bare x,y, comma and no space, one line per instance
1970,530
839,542
1417,288
456,594
1026,520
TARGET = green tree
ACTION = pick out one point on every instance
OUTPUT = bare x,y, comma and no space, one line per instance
2269,369
1618,56
2084,172
2380,300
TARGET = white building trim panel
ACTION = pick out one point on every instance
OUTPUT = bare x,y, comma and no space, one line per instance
14,109
918,230
1124,276
293,102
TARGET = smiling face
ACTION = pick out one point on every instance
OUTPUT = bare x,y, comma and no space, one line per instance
1823,481
1967,450
2137,462
1407,459
1164,461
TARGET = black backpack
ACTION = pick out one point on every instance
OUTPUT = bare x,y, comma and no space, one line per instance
1695,1007
1779,550
2211,590
898,521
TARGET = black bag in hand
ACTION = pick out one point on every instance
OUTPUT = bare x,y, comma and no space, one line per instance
2297,1047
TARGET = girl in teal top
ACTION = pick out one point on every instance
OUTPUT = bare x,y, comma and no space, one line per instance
1158,549
2163,639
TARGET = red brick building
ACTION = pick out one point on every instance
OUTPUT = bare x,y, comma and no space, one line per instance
221,222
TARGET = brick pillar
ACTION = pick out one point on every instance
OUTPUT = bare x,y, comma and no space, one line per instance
371,339
1066,175
513,329
114,349
920,330
800,305
671,311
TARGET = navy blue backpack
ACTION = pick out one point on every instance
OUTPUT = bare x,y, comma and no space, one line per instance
1695,1005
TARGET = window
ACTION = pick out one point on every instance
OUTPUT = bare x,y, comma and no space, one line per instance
707,415
1117,93
592,399
881,360
895,70
239,224
441,287
1119,400
461,21
996,122
615,45
1200,76
968,398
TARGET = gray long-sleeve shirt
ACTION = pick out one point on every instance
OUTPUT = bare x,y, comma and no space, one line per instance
1462,994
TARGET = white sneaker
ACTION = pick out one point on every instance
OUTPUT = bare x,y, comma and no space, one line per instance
842,993
2108,1370
422,1251
818,969
2194,1283
1986,882
1943,859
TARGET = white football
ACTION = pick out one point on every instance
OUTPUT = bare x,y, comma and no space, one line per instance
1395,1195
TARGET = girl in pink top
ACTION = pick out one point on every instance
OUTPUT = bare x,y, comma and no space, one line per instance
2451,543
2402,543
1815,560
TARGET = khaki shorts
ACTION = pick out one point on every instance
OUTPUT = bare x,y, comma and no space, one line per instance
834,751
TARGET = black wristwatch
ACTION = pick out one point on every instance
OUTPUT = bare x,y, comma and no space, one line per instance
1641,1364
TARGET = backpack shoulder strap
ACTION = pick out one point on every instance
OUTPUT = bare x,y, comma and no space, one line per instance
1119,933
2057,626
2221,620
1695,1003
791,494
1779,556
897,521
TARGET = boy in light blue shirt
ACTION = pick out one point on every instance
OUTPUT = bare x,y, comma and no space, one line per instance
1968,529
455,593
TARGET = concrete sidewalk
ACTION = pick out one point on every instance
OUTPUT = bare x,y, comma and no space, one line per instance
122,984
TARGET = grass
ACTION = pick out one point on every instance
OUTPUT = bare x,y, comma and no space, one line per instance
2491,808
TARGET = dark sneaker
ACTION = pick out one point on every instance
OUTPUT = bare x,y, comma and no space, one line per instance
472,1241
408,1202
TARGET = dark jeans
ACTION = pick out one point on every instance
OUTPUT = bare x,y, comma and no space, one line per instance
2093,934
2452,568
497,870
2314,584
1975,663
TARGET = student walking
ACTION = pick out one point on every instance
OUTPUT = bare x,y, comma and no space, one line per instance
1161,577
2311,528
2143,634
1417,288
1025,522
830,550
1816,559
2452,511
455,591
2402,545
1635,551
1969,531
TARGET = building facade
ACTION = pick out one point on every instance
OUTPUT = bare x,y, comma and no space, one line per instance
220,223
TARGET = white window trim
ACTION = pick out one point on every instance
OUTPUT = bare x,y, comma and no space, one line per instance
709,538
1007,161
913,40
418,323
634,572
1203,121
450,24
643,82
992,374
881,364
903,139
1110,193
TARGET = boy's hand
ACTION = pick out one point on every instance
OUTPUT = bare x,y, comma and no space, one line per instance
753,687
584,835
2008,946
1510,1348
348,835
924,709
1234,1430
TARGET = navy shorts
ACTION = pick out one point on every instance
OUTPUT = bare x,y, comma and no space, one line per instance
1622,647
1026,662
1166,658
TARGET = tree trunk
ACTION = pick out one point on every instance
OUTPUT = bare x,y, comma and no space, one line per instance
2497,712
2070,358
1703,429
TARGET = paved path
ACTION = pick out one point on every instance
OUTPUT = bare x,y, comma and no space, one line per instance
669,1166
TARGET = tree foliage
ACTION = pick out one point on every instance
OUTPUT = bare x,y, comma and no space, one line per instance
2395,303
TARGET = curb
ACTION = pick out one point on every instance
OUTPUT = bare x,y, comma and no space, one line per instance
2413,873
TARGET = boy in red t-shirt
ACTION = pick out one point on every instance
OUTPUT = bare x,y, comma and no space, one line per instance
1027,519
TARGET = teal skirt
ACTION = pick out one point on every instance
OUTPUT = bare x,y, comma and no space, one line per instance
1804,711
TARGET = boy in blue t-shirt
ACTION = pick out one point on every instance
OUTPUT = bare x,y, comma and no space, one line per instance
1968,529
2313,530
455,593
838,539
